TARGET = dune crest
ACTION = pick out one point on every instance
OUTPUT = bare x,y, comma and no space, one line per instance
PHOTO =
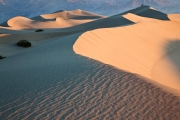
137,19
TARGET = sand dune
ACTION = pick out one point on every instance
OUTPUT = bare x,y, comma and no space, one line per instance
25,23
74,14
20,23
61,14
174,17
12,21
137,19
147,11
11,36
61,19
51,81
140,48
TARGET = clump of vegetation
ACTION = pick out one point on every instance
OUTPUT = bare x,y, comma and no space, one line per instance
39,30
1,57
24,43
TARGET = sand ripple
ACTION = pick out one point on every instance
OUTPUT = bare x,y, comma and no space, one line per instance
103,93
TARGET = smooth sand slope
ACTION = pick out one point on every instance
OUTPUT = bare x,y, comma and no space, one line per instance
136,19
174,17
49,81
150,49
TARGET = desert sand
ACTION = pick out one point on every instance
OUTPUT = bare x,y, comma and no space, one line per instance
149,48
88,66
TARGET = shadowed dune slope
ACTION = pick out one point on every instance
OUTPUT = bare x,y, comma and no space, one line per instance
147,11
52,82
59,19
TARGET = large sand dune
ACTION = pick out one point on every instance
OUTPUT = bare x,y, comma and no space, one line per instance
138,48
50,81
145,48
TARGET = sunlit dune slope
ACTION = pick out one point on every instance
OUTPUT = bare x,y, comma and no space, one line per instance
174,17
137,19
144,48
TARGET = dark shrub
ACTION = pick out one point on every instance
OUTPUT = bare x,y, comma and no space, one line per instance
1,57
39,30
24,43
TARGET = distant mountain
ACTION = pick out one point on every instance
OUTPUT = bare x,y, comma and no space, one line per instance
154,2
1,1
30,8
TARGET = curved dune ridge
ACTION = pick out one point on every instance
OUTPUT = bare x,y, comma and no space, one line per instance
50,81
20,22
11,21
61,19
149,48
137,19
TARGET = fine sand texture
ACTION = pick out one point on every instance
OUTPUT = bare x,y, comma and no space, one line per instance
99,68
52,82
